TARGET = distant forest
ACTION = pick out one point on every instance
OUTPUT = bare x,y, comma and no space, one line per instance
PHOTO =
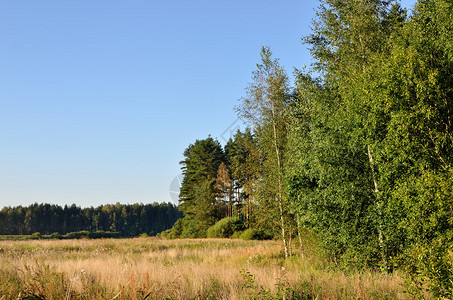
127,219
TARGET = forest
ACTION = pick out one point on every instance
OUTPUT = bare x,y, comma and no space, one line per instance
127,220
357,151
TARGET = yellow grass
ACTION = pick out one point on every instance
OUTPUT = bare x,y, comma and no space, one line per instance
153,268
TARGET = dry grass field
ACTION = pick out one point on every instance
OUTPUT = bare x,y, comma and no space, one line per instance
151,268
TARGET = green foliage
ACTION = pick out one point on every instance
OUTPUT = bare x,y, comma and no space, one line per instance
72,235
333,178
129,220
255,234
91,235
360,155
430,268
371,142
254,290
198,194
236,235
175,231
56,236
36,236
225,228
244,161
425,203
282,291
417,150
193,230
266,108
164,234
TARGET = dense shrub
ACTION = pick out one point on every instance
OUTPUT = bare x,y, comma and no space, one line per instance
72,235
36,236
56,236
255,234
103,234
236,235
193,230
225,228
174,232
164,234
91,235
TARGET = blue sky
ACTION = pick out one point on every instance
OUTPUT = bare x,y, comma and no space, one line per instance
98,100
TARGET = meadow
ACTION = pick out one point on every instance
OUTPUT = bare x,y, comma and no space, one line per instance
152,268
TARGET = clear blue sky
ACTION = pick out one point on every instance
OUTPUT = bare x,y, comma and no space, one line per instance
99,99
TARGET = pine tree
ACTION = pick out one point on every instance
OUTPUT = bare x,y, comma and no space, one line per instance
198,194
224,188
245,160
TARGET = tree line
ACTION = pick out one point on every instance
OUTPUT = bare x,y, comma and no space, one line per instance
358,150
127,220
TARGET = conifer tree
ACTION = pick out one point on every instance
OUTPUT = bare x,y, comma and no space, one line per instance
245,161
198,194
224,188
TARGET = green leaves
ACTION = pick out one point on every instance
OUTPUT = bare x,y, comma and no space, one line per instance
266,107
362,150
336,119
384,85
198,194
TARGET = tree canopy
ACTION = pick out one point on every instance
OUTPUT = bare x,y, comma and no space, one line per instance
358,150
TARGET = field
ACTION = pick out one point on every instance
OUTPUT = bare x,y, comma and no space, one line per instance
151,268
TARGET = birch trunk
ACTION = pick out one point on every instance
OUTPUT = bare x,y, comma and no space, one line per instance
280,186
378,206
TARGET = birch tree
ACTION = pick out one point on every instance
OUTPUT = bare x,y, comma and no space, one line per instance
338,122
265,107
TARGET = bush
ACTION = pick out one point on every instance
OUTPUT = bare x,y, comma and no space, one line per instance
91,235
84,234
56,236
100,234
174,232
193,230
255,234
164,234
36,236
236,235
72,235
225,228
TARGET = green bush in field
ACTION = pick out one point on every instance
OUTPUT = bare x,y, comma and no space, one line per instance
56,236
36,236
236,235
255,234
193,230
76,235
72,235
174,232
84,234
225,228
164,234
100,234
92,235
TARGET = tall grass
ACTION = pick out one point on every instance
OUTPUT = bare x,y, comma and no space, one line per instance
150,268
